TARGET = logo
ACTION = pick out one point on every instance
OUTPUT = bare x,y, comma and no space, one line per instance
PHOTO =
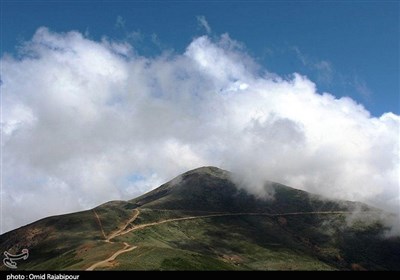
10,259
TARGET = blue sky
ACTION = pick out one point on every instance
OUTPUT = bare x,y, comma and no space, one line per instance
349,48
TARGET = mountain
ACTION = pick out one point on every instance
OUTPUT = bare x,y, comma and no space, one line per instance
202,220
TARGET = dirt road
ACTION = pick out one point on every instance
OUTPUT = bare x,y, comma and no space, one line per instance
138,227
107,262
121,230
127,247
124,230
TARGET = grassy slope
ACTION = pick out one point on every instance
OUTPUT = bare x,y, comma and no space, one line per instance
259,242
217,243
314,242
66,241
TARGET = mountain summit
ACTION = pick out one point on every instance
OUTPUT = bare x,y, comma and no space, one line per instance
202,220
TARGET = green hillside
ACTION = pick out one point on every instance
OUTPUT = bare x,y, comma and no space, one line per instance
202,221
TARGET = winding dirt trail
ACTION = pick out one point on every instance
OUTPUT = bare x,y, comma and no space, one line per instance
107,262
124,230
121,230
139,227
127,247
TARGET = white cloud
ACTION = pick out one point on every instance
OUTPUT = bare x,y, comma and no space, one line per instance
202,22
85,122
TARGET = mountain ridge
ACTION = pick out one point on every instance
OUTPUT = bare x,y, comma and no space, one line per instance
202,220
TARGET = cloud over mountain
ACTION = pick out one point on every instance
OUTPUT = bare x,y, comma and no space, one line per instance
85,122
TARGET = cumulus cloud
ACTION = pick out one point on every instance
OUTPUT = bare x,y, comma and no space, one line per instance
85,122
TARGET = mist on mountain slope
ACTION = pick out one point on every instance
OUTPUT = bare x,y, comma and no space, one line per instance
87,121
